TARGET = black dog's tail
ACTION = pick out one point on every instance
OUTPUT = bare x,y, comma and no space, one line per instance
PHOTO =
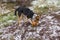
16,10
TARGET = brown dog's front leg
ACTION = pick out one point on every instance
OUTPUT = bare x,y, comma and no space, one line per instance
19,19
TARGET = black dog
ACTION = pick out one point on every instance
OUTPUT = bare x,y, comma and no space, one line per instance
25,11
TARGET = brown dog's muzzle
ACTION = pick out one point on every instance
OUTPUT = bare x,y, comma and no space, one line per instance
36,21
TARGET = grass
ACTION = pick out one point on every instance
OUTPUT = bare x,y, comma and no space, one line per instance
45,9
6,18
41,10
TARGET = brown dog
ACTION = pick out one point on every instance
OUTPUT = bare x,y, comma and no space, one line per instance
35,22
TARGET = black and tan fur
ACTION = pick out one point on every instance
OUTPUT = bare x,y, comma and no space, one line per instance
27,12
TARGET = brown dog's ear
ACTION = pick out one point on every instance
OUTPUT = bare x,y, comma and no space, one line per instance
37,17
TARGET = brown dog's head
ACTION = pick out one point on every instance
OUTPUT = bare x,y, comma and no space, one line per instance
37,17
35,22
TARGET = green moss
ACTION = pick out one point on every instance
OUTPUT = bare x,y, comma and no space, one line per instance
4,19
1,33
41,10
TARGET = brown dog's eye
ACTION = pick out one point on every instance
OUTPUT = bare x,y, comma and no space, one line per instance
37,17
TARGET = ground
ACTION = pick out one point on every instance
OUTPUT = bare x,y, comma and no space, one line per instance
48,29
